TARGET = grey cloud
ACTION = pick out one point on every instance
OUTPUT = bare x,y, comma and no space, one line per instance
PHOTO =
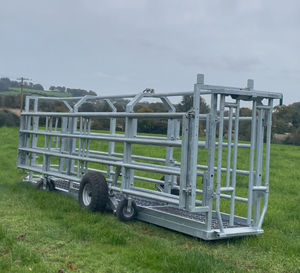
130,45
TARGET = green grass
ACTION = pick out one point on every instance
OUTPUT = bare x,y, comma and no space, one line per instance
59,235
16,91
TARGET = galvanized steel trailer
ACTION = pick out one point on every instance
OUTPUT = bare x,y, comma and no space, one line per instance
224,197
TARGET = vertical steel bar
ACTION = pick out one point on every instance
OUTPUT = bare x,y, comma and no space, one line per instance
79,163
211,160
74,140
46,129
127,177
45,157
49,144
130,132
229,133
193,151
170,180
259,161
112,129
207,140
69,145
84,143
268,155
28,126
220,152
89,124
89,132
63,142
27,104
234,167
34,136
84,146
56,139
252,155
184,157
169,157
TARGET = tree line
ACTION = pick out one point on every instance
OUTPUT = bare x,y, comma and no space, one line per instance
7,85
75,92
286,119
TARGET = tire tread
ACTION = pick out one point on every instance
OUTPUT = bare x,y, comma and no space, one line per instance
99,191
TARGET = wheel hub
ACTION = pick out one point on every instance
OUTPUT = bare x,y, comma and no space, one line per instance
87,194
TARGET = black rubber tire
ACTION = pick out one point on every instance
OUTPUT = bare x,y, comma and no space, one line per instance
49,185
121,211
98,191
173,191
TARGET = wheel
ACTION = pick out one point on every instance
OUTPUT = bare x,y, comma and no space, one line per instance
93,192
49,185
123,214
173,191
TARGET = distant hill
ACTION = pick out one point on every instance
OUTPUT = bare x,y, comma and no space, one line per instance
17,91
11,87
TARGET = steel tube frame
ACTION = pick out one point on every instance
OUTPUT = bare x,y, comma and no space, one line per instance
67,137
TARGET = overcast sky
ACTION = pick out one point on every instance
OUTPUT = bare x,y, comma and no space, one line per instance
119,46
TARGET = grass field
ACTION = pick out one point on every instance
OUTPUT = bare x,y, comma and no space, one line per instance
48,232
16,91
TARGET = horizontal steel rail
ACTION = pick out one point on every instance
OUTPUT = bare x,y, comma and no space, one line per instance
125,96
204,90
114,138
49,173
141,167
158,196
106,115
228,90
161,160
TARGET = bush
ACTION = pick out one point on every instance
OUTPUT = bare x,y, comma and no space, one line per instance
9,119
294,138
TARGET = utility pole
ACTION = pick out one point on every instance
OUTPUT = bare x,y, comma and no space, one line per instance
22,79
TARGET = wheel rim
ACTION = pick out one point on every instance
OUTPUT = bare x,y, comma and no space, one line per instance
127,213
87,194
